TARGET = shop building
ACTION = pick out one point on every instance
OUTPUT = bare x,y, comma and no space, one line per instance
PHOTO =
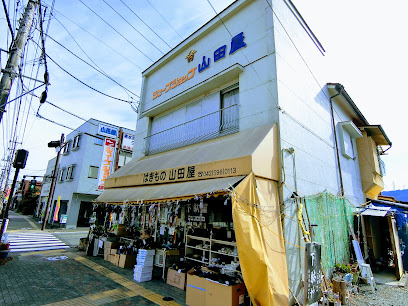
233,117
81,169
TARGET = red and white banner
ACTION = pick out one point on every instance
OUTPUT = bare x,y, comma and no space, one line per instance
108,162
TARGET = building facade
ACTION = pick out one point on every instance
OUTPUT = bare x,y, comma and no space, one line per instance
83,164
242,95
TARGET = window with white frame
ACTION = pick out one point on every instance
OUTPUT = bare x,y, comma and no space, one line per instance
98,141
211,116
75,143
348,132
93,172
65,150
69,175
60,177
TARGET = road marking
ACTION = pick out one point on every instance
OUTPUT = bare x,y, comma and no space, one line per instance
32,241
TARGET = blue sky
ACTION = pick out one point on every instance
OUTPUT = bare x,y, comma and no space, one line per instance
363,39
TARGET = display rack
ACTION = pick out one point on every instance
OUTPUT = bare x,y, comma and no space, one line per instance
207,254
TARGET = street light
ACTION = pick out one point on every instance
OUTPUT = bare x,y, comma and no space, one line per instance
53,144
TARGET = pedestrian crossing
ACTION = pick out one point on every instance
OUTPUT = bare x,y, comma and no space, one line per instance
29,242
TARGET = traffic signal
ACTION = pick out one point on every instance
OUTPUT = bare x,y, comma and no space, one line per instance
32,184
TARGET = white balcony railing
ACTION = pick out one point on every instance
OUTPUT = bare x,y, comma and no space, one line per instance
217,124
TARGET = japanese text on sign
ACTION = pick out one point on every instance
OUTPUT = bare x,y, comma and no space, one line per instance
108,158
237,42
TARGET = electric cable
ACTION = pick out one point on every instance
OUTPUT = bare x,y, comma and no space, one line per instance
96,69
8,20
164,19
96,38
83,83
144,23
116,31
132,26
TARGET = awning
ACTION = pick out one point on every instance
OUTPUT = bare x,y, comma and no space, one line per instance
375,211
237,154
164,192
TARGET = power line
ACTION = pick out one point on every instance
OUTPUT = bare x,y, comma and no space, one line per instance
144,23
116,31
8,20
164,19
83,83
95,38
97,69
132,26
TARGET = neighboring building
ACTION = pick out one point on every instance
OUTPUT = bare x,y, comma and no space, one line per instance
237,97
81,168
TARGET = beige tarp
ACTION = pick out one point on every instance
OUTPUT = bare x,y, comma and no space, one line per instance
175,191
260,241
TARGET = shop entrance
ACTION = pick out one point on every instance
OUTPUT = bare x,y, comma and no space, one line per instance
85,212
383,246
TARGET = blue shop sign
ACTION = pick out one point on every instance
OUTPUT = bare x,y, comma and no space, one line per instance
107,131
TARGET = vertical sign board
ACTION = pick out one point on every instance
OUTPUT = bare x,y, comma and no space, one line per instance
313,273
107,164
128,141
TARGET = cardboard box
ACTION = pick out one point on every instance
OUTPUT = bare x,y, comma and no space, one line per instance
111,245
195,290
113,251
176,279
222,295
114,259
127,261
107,254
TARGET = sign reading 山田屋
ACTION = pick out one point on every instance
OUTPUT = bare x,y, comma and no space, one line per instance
108,130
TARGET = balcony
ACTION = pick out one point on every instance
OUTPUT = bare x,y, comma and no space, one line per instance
222,122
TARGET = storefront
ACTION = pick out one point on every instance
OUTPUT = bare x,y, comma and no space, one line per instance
217,207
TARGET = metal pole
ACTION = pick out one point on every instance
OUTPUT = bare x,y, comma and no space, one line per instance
13,62
51,194
5,211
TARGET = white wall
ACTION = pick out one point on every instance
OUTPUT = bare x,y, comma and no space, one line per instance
257,82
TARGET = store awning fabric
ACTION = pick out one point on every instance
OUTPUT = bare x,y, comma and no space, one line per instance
164,192
260,240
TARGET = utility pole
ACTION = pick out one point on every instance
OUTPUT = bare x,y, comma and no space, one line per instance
13,62
53,144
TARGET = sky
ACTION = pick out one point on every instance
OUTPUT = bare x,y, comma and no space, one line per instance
364,43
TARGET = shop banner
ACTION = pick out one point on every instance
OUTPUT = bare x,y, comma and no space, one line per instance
216,169
107,164
57,208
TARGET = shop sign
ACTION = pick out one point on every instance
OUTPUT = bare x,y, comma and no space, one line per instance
127,141
107,163
107,130
237,42
216,169
64,219
313,273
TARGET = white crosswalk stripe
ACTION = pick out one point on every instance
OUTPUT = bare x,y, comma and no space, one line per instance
29,242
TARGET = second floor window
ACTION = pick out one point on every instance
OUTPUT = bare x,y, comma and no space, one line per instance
75,143
93,172
70,173
60,177
65,150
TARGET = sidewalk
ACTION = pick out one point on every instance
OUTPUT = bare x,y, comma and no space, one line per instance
71,278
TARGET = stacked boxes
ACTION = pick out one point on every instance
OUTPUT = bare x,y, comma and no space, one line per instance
144,267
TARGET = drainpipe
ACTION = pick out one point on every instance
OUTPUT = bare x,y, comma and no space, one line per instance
335,141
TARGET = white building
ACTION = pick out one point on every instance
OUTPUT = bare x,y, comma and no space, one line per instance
79,170
250,100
